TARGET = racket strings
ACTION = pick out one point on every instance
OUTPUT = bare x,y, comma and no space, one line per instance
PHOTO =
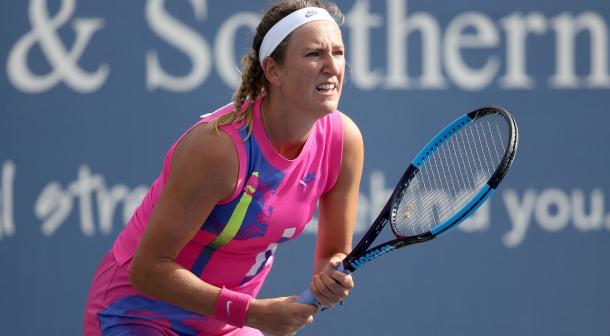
451,176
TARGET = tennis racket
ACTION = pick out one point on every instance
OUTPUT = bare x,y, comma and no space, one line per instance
445,183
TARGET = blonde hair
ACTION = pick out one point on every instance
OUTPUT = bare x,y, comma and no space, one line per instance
253,81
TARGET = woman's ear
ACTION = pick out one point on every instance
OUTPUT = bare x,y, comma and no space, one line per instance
272,71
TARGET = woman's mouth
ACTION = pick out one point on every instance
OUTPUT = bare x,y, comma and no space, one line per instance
327,88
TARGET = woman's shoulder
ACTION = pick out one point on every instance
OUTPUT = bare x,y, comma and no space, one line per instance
351,132
205,142
208,151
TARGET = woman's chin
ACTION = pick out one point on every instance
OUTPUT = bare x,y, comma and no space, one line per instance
330,104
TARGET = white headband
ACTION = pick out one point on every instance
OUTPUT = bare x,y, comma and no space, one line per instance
287,25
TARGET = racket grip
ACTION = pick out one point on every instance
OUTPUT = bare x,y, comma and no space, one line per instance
307,296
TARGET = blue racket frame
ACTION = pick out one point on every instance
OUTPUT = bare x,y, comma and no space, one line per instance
362,254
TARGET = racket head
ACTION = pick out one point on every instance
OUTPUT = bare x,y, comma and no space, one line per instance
419,208
454,174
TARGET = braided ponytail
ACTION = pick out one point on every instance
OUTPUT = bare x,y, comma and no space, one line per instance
252,84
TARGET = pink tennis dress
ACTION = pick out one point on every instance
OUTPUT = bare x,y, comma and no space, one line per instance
275,198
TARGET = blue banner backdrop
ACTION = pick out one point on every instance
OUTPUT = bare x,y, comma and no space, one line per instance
93,93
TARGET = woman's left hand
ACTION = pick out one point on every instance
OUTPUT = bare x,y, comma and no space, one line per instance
331,286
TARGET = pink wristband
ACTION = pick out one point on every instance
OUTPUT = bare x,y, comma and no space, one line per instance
232,307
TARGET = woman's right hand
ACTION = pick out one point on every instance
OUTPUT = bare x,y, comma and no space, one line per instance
279,316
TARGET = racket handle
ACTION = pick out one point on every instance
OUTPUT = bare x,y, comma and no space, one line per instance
307,296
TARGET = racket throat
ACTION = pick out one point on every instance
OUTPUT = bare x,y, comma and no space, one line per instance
352,263
357,262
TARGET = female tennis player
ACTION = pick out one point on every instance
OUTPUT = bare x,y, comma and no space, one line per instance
242,180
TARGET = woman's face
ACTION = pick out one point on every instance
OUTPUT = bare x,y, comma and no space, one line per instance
311,76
